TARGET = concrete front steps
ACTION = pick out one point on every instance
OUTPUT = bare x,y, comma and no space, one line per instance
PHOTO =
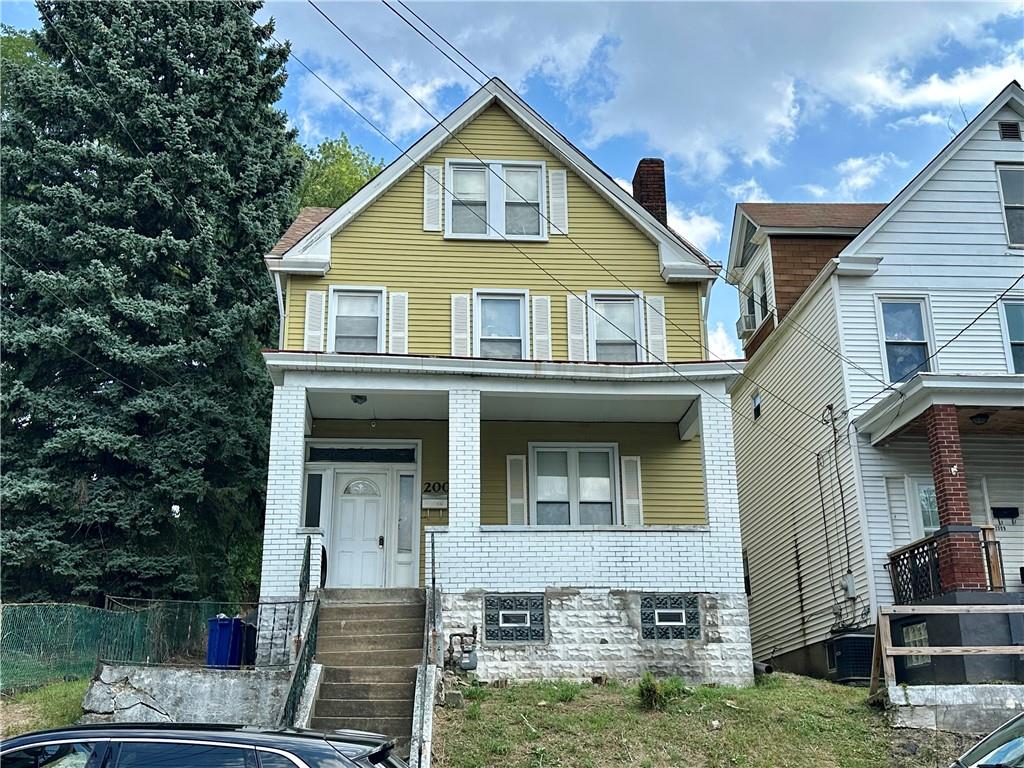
370,642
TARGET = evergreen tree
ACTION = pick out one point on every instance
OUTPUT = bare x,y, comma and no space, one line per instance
145,173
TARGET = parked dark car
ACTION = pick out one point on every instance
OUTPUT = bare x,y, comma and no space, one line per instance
196,746
1003,748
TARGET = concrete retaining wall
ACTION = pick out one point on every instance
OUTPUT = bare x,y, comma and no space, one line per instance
969,709
122,693
594,632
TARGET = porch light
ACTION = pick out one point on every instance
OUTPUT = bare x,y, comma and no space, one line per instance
361,399
980,418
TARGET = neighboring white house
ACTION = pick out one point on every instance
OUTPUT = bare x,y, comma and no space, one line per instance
899,330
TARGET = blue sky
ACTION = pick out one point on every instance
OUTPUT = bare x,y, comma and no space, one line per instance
745,101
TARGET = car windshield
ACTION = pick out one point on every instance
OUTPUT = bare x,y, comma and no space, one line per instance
1004,748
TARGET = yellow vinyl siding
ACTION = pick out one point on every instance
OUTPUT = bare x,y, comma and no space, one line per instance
386,245
671,472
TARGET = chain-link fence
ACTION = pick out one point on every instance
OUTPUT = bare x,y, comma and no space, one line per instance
43,642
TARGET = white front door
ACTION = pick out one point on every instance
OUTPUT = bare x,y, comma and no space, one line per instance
360,521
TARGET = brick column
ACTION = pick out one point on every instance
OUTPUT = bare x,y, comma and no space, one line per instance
282,544
961,562
463,458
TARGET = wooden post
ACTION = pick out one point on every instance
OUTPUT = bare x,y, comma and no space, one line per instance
876,660
885,635
993,557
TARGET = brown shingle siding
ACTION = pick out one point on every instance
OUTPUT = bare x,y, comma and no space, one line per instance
796,261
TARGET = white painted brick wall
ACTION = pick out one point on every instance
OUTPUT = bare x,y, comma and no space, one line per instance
463,459
282,543
597,632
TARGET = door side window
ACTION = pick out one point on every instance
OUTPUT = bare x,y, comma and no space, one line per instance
77,755
149,754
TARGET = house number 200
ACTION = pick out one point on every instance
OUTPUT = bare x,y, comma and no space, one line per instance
435,487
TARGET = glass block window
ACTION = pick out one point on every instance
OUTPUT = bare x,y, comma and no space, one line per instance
670,616
916,636
514,618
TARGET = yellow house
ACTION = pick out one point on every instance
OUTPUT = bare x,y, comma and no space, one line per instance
492,384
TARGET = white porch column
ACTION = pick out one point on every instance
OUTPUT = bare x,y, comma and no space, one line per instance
724,550
463,459
282,544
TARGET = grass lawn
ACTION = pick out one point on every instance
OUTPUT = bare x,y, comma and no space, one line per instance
51,706
785,720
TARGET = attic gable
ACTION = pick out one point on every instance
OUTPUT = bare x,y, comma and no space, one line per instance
680,260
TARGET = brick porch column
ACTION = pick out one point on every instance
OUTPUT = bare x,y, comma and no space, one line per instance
463,458
961,561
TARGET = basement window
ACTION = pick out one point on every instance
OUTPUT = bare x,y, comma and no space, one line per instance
670,616
514,619
916,636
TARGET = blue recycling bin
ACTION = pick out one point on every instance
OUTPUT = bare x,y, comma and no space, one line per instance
224,642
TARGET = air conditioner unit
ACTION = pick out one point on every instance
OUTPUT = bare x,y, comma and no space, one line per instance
746,325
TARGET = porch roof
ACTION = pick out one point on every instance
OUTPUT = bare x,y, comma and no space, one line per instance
971,393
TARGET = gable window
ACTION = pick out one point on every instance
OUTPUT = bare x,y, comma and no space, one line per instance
1011,190
500,324
1013,311
615,328
495,199
756,293
357,320
906,345
573,484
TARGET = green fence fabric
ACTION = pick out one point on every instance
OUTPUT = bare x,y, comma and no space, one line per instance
51,641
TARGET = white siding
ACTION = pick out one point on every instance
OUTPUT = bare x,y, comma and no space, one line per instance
948,242
780,505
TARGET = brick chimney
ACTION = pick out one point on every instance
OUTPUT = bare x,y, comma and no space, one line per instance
649,187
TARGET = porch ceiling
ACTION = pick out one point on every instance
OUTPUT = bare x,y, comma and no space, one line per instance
1000,421
324,404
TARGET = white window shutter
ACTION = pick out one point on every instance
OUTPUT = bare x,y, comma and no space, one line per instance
515,472
632,493
398,323
558,202
657,342
313,338
576,320
460,325
541,327
432,198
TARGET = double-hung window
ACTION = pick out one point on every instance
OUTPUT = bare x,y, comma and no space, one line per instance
757,298
1011,190
495,199
1013,311
574,485
501,324
616,328
357,319
905,338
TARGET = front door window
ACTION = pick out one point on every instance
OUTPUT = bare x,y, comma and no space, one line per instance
359,530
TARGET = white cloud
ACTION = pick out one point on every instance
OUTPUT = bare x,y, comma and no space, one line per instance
626,185
707,85
749,191
814,190
722,345
858,174
925,118
700,229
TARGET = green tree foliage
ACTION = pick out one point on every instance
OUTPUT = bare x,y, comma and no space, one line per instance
144,175
17,46
334,171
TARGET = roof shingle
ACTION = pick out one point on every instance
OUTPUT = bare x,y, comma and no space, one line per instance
812,215
307,220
